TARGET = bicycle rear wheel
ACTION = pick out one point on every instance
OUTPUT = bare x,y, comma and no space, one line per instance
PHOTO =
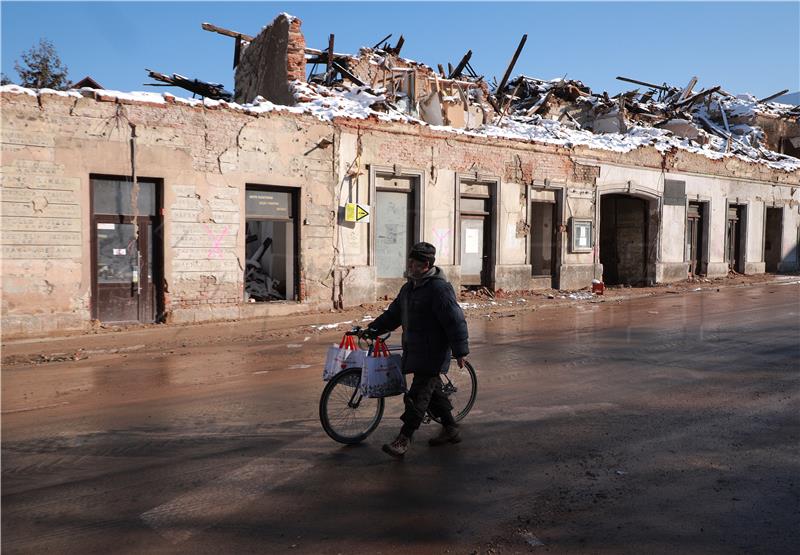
461,387
347,416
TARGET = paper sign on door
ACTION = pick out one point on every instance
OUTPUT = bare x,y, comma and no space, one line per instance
472,241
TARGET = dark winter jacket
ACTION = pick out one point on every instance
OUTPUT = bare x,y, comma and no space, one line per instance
434,326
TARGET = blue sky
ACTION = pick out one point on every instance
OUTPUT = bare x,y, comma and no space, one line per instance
743,46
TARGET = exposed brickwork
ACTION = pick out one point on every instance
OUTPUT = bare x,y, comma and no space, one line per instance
275,57
296,53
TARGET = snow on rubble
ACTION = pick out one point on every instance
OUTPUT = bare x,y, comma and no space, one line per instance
357,102
362,102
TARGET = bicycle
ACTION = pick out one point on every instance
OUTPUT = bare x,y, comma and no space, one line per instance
348,417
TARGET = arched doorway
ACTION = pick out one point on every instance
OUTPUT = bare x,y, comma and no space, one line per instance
624,239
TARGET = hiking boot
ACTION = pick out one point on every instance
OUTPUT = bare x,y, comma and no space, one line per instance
449,434
398,447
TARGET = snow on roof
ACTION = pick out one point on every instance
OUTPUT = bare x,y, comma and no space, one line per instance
351,102
746,105
16,89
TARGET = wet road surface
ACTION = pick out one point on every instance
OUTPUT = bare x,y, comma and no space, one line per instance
655,425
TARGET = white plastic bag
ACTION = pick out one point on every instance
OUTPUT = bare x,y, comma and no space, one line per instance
342,356
381,375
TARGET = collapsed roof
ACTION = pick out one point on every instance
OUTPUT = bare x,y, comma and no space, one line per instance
276,68
276,71
709,118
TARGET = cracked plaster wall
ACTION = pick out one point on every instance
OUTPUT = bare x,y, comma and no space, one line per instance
718,192
204,157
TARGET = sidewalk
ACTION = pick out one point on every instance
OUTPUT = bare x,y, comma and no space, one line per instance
162,336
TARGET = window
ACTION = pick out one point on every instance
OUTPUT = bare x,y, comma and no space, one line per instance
270,250
581,233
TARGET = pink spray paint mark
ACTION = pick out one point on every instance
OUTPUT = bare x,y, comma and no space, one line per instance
215,251
442,241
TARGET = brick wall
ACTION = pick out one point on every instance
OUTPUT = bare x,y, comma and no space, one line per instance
275,57
296,53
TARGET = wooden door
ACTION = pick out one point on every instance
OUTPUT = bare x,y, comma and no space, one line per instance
126,251
694,238
123,270
473,251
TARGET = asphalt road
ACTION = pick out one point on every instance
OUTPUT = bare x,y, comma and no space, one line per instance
656,425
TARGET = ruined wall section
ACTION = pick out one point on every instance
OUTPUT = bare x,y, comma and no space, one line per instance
274,58
684,161
42,233
443,158
205,156
778,131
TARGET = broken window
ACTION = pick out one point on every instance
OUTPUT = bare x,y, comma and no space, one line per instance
269,245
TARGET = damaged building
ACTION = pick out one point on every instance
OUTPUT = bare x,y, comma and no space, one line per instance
304,188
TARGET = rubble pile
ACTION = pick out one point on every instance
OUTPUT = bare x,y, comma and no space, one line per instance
379,83
452,99
711,119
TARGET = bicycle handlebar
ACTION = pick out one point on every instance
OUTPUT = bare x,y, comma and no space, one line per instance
367,334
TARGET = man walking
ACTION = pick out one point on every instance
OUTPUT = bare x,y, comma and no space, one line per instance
434,329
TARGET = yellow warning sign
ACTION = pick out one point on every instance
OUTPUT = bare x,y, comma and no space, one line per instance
356,212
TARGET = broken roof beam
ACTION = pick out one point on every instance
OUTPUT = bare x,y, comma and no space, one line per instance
209,90
688,90
227,32
397,47
240,38
380,42
644,83
459,69
330,73
323,54
511,64
454,81
346,73
698,96
772,96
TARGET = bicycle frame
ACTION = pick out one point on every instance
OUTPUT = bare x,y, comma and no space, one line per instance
355,399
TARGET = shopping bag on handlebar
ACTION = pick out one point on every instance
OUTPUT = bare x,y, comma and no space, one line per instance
344,355
381,375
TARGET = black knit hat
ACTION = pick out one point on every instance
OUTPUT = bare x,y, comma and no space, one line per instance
424,252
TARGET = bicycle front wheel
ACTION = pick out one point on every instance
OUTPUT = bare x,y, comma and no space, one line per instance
461,387
347,416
